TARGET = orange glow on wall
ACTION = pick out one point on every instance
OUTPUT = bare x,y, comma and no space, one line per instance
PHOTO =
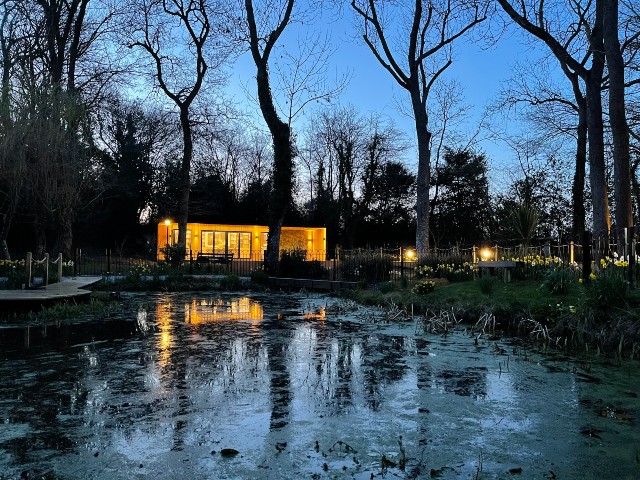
244,241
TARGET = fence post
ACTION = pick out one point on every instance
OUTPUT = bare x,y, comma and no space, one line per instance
27,264
46,269
495,254
59,267
108,252
190,261
474,257
401,264
76,258
586,256
335,267
571,252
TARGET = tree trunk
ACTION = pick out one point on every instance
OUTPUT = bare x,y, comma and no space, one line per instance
635,185
424,174
618,120
597,168
41,240
281,192
5,105
7,218
283,151
185,183
66,237
577,193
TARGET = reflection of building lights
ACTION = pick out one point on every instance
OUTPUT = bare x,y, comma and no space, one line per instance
203,311
163,316
319,314
165,340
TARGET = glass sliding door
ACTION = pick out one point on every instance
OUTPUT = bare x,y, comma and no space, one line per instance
237,243
233,242
245,245
220,242
207,242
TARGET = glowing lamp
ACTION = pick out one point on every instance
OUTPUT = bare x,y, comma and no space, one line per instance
167,223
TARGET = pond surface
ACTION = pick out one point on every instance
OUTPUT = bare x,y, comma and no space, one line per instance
294,386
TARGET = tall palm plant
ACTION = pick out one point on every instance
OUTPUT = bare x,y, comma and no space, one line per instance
525,220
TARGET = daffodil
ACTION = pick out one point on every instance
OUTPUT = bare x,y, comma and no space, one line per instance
592,276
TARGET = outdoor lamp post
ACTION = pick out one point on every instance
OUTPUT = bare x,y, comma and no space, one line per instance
167,223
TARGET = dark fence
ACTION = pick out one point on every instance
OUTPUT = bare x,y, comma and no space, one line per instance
384,264
113,264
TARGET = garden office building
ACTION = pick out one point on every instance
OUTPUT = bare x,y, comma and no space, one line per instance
242,241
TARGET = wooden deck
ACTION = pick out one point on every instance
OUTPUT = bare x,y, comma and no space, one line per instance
69,287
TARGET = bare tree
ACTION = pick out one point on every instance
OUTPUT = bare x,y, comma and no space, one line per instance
574,40
57,39
302,81
161,25
9,41
554,113
618,119
426,45
11,163
261,45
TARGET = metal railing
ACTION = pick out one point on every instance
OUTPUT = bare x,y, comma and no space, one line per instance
380,264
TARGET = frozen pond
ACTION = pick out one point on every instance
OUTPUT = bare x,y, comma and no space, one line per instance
218,386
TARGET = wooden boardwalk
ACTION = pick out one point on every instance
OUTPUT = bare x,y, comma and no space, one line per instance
68,288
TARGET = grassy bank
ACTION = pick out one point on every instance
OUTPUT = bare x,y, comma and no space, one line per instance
170,283
579,316
102,305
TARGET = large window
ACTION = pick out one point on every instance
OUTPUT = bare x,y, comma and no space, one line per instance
220,242
238,243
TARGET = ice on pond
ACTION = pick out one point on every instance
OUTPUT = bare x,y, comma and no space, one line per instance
302,386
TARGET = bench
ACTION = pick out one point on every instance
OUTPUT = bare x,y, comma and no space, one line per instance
506,265
223,258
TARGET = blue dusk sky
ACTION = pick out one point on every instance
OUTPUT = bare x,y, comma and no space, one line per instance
479,71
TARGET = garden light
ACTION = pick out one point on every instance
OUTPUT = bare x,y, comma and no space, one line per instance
167,222
486,253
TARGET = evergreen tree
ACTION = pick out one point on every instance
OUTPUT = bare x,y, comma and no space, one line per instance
462,213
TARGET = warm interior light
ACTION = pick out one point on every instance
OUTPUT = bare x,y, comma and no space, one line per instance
410,254
167,222
485,253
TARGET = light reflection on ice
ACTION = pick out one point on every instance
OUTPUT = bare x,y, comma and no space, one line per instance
205,373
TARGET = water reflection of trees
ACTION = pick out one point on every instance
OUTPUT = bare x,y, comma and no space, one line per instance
350,369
